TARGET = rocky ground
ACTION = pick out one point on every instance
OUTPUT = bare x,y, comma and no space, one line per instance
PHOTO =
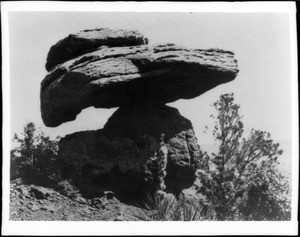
29,202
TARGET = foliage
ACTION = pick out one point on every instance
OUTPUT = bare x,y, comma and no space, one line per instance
154,170
241,181
35,155
163,206
167,208
67,188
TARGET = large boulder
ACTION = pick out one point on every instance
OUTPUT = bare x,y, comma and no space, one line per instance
89,40
115,157
115,68
120,76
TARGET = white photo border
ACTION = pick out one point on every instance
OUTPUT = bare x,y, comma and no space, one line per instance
147,228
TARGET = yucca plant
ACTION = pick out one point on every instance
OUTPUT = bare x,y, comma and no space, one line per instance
188,212
169,209
160,209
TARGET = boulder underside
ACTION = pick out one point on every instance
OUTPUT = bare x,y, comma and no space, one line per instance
121,76
107,68
115,157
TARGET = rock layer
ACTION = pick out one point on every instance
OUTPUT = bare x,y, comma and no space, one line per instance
114,157
89,40
119,76
115,68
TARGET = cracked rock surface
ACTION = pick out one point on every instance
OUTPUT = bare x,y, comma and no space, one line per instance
89,40
58,206
114,157
107,68
117,76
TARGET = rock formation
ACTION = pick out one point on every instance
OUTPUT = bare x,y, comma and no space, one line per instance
114,157
114,68
89,40
118,76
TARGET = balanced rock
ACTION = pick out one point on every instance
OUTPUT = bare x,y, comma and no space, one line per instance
115,68
120,76
114,158
89,40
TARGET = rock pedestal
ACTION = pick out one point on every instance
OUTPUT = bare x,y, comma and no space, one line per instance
108,68
114,157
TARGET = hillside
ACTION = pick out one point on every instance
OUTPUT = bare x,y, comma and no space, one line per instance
29,202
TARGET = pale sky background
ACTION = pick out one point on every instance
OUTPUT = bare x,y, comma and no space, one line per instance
260,41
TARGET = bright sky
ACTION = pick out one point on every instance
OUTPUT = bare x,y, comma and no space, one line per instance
260,41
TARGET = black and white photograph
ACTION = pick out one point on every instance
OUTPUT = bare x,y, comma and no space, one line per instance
180,116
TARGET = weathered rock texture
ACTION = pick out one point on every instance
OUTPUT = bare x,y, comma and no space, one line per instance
89,40
116,68
114,157
55,205
118,76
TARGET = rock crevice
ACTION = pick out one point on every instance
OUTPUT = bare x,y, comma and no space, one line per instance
112,77
107,68
125,144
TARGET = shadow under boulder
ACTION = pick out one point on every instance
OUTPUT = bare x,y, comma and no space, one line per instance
115,157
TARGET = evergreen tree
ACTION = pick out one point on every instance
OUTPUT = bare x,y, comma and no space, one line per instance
241,181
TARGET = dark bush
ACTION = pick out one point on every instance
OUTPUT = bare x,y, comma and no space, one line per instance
241,181
34,159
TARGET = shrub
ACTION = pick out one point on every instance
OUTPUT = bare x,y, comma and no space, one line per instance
67,188
163,206
154,171
167,208
241,181
35,156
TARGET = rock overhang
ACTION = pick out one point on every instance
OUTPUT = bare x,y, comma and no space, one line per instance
111,77
140,79
89,40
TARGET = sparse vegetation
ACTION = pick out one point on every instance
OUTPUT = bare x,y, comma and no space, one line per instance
35,157
170,209
241,181
155,170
